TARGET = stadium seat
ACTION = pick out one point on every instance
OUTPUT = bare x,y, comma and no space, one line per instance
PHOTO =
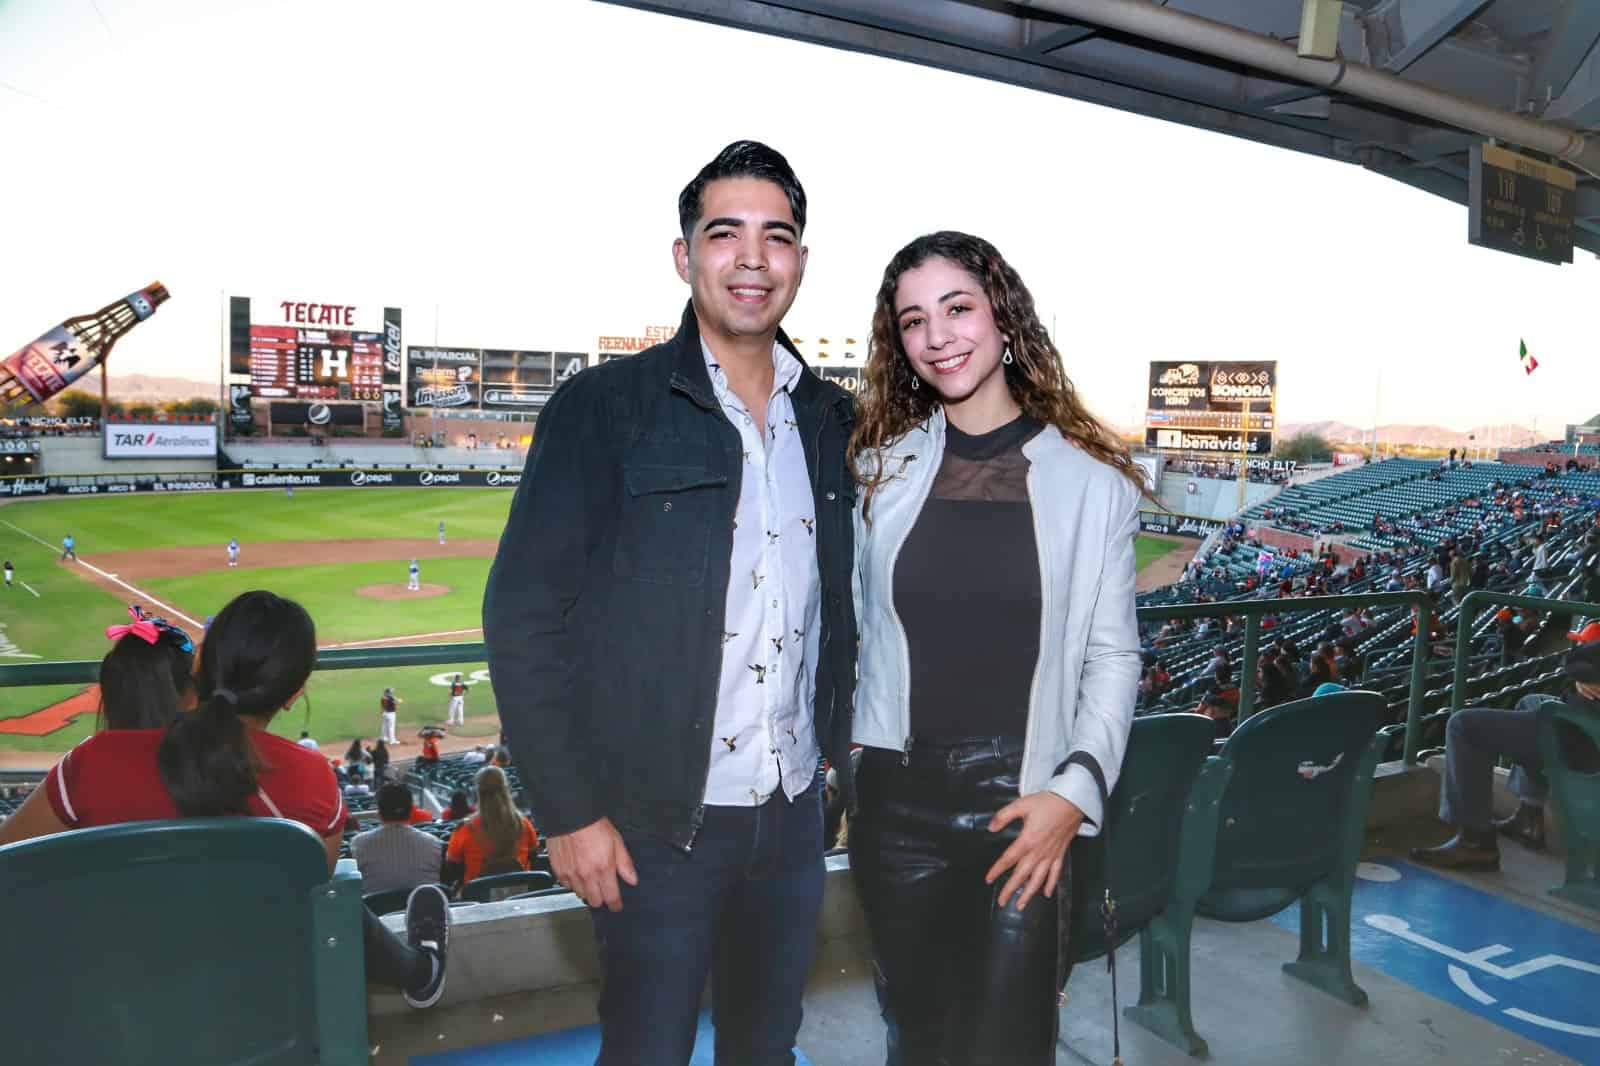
1161,776
220,941
389,901
1288,828
487,889
1575,791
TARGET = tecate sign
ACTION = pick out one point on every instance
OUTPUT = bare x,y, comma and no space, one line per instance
367,477
136,441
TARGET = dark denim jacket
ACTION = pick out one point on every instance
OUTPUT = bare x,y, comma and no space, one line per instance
605,606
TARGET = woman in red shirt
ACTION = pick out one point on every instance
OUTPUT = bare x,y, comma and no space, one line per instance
220,760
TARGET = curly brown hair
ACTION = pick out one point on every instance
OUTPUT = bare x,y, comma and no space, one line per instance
890,407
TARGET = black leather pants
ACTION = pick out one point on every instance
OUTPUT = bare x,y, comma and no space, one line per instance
962,981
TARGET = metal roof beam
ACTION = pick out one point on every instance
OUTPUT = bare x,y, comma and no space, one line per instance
1573,33
1067,35
1579,105
1400,32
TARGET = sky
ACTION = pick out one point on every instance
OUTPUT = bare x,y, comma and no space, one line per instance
506,171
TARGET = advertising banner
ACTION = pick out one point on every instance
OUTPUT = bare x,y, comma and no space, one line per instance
262,479
239,414
316,414
443,377
292,348
1212,386
391,346
1177,525
847,377
1208,441
392,398
135,440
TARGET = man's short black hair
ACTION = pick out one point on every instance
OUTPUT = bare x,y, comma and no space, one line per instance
394,803
742,159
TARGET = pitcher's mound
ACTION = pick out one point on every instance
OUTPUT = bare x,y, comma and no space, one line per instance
400,592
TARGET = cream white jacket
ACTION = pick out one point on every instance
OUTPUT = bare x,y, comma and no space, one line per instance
1085,516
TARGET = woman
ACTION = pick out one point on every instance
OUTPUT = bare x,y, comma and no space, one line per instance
148,676
499,839
353,756
999,651
219,760
380,762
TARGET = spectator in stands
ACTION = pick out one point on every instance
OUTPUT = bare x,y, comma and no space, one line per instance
1272,686
1347,663
430,748
1541,553
353,756
1460,577
394,855
460,807
1321,673
1476,738
1589,568
220,760
499,839
147,677
379,753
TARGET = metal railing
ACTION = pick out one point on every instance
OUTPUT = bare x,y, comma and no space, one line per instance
86,671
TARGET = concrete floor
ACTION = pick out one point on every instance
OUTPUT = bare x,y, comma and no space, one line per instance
1251,1013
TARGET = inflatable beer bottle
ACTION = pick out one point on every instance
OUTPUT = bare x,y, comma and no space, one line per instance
38,371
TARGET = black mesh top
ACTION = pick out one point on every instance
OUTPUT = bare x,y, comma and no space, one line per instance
966,588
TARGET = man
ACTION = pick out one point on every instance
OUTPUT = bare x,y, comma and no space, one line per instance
10,574
458,702
394,855
387,704
1476,737
69,548
306,741
671,637
441,531
233,551
413,584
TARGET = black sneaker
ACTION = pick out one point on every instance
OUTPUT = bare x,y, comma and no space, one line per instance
428,931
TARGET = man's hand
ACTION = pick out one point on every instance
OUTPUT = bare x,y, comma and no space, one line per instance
589,861
1589,690
1048,825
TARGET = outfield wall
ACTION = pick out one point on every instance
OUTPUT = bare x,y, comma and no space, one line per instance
64,456
210,479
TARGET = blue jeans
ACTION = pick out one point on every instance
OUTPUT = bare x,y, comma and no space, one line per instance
742,906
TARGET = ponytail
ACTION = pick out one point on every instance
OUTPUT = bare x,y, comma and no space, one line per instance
206,760
256,657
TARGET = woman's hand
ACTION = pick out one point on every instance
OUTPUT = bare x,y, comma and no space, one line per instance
1048,825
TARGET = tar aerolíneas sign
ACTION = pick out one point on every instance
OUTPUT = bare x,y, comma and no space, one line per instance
1519,205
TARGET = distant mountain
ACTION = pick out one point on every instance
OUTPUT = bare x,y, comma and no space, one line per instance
1503,436
130,387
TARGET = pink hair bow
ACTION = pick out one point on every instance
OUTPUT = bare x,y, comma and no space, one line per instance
140,627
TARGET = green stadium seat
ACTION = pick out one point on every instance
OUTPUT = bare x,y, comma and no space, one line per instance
1575,790
220,941
486,889
1288,828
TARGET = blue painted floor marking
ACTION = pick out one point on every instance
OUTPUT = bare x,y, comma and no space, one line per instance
1525,971
569,1047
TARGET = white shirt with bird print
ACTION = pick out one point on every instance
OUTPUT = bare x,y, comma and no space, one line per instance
763,737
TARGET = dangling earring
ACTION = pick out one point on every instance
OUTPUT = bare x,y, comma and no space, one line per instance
916,382
1006,358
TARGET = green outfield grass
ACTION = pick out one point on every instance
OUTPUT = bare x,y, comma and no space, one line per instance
1147,550
329,593
68,618
122,523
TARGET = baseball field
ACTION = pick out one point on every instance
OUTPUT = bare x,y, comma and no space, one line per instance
343,553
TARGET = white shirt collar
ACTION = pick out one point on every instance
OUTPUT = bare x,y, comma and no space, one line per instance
786,369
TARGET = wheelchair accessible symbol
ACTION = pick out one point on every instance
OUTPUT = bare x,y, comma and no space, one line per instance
1464,962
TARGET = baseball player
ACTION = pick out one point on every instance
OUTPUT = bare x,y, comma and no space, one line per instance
233,552
11,575
69,548
388,702
458,702
441,532
415,584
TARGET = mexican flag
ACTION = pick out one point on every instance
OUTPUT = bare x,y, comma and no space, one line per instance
1529,363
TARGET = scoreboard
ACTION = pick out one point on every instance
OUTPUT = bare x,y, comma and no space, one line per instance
316,364
1207,406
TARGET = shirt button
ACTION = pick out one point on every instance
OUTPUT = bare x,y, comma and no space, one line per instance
667,506
832,496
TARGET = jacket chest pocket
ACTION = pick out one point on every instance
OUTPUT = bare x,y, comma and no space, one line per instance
664,533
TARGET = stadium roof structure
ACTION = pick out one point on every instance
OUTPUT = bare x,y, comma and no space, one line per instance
1412,86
